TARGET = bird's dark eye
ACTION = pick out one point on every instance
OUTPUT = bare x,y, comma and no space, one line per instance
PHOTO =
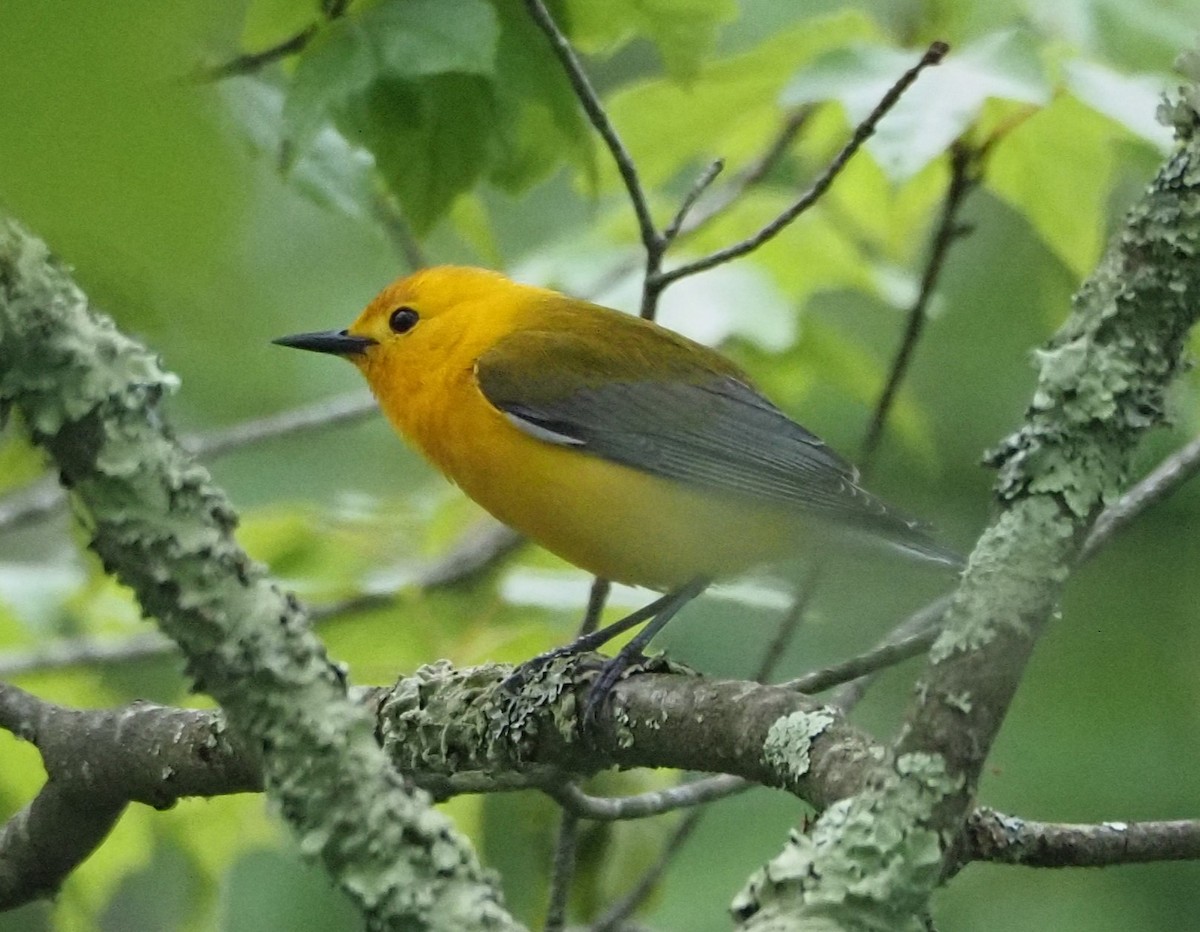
403,319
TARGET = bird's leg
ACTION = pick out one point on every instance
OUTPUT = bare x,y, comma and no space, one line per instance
660,611
588,642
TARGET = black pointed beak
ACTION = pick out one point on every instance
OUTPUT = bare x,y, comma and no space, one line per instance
337,342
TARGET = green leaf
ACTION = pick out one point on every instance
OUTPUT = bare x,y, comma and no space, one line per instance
540,122
431,139
396,39
1131,100
269,22
683,30
1055,169
938,108
330,171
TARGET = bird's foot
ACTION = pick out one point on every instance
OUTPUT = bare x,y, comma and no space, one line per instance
534,667
611,672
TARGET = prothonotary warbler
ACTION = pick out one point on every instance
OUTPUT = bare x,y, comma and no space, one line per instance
623,447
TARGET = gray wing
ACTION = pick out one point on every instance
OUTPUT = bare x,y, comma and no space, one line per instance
721,434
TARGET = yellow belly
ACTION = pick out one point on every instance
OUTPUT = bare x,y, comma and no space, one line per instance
611,520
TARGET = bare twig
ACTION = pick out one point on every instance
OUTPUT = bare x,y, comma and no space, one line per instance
45,497
74,652
791,620
565,847
478,550
330,412
590,101
36,501
643,805
862,133
399,232
915,634
963,178
250,62
563,871
699,186
1162,481
621,910
728,195
597,597
911,637
993,836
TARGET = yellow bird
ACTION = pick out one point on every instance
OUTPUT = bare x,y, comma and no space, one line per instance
621,446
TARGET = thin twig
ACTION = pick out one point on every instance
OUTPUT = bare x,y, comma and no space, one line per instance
250,62
565,848
590,101
563,872
620,911
918,632
643,805
911,637
330,412
74,652
729,194
597,597
963,178
790,623
399,232
862,133
699,186
1162,481
36,501
46,497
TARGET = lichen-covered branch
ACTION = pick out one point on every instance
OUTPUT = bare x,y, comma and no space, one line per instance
97,761
464,730
92,398
871,861
449,731
1006,839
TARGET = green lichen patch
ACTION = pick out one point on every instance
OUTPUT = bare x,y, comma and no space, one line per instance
788,746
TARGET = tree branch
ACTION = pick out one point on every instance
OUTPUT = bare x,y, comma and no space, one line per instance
457,731
993,836
1101,387
1162,482
862,133
596,114
162,528
448,730
963,179
98,761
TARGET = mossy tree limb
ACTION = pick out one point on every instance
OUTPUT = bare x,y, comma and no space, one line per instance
872,860
92,398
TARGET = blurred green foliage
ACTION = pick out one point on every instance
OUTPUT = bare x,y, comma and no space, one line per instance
210,216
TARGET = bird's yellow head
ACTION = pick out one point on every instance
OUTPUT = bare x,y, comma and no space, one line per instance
439,317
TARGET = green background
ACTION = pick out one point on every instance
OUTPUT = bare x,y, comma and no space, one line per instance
166,196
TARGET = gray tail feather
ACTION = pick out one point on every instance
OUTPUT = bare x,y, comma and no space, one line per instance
901,532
